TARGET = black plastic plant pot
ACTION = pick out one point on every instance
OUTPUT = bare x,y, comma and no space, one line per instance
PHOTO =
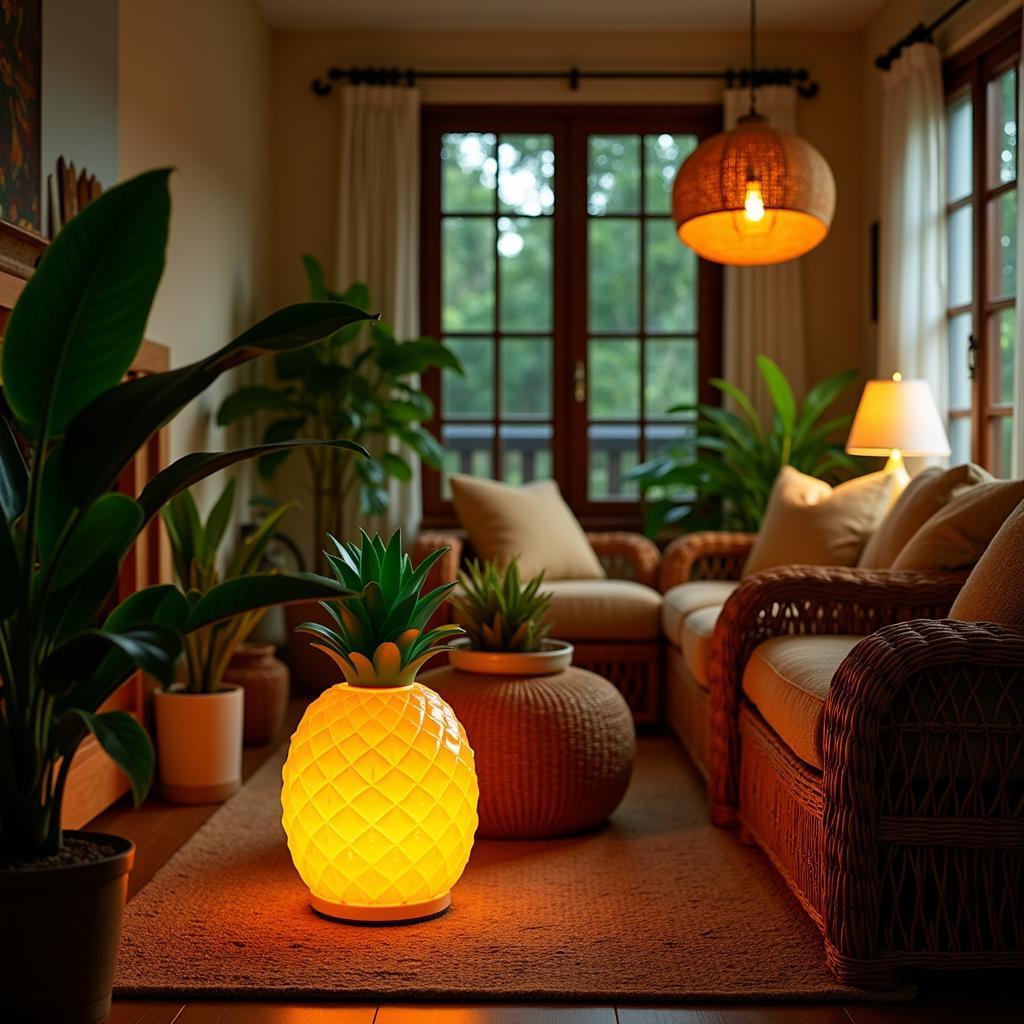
60,935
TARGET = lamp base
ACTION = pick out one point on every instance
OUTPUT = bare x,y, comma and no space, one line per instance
898,469
403,913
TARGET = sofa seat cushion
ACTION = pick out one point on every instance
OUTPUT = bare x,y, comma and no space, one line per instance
681,601
595,610
698,629
787,679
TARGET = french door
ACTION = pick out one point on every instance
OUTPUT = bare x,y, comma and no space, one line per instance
551,266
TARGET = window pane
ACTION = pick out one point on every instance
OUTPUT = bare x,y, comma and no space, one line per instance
670,280
1001,443
613,379
1002,128
526,373
662,156
960,440
525,452
613,257
467,288
468,172
961,251
473,394
670,366
468,449
526,174
1002,245
613,174
614,450
959,332
1002,336
524,262
959,181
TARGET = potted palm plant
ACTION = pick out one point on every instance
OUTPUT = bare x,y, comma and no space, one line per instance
380,789
504,622
205,704
70,426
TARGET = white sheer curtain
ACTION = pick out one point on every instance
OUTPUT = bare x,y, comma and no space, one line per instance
1018,367
378,228
764,306
912,266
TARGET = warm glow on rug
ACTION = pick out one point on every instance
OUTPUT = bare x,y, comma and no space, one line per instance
379,799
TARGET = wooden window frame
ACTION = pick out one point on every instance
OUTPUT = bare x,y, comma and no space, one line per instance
569,127
970,72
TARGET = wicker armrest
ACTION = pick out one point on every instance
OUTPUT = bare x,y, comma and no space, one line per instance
704,556
801,599
627,556
924,758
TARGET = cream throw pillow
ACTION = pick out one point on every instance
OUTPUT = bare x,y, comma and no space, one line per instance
928,492
807,522
994,592
532,522
957,537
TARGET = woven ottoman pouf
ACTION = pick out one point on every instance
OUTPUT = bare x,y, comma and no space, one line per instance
554,753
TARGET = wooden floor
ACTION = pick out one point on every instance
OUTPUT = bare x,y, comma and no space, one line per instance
158,829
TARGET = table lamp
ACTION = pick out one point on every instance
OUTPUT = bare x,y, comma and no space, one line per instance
895,418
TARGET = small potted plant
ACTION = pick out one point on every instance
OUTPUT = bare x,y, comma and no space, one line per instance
380,789
70,425
504,623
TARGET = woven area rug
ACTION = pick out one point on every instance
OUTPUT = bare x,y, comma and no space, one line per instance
655,906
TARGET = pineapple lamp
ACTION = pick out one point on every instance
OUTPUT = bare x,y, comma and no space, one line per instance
380,790
894,418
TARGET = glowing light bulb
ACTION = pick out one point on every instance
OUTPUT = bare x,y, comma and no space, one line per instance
753,204
897,376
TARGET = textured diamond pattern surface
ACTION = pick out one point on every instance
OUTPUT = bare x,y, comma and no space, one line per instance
380,796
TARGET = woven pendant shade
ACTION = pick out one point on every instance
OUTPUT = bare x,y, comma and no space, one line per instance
754,195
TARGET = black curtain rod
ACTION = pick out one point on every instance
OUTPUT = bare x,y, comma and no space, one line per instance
920,33
799,77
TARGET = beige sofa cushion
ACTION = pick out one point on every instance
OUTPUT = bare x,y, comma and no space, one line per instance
927,493
994,592
682,600
957,536
807,522
532,522
787,679
596,610
698,629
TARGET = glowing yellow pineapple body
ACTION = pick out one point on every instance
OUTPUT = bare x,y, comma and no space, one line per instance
380,802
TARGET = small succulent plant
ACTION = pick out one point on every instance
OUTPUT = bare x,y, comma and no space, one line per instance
498,611
380,638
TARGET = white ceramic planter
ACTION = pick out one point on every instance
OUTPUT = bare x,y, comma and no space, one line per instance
555,656
199,743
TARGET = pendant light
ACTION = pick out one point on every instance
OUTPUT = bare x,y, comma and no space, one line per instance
753,195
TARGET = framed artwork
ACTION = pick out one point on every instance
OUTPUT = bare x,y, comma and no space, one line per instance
20,134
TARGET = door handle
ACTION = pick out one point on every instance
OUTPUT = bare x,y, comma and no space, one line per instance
972,355
580,381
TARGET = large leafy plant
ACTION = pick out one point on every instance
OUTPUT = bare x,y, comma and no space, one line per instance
70,426
202,573
381,637
498,611
367,394
723,478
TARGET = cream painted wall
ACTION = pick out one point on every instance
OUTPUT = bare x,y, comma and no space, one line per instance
305,132
194,89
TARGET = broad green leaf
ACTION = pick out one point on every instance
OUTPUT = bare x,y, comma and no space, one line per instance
394,465
79,605
162,603
106,530
78,325
279,430
217,523
190,469
125,741
424,444
818,399
741,399
13,474
253,399
781,393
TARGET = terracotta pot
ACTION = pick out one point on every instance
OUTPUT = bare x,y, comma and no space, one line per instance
554,656
60,935
199,742
311,671
265,680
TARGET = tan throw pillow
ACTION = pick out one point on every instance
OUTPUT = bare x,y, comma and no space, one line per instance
928,492
956,537
532,522
807,522
994,592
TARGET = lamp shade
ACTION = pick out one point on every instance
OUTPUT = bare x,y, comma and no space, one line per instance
754,195
379,802
897,415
